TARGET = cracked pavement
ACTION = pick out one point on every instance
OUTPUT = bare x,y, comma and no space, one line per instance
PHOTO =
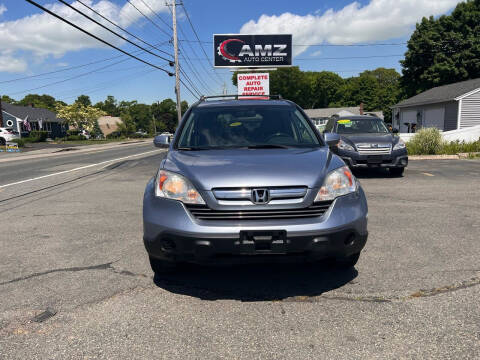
74,247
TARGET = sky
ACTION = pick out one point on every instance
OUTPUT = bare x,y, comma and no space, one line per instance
34,43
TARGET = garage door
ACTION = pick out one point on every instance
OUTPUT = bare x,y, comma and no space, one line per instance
434,117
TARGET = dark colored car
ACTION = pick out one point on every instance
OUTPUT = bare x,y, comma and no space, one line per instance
249,179
365,141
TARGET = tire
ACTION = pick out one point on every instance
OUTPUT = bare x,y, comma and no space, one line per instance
161,266
397,171
2,142
347,262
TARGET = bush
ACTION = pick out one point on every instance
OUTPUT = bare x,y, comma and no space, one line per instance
73,132
426,142
76,138
19,142
40,135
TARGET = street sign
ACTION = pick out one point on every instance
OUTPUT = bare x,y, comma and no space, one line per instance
253,84
252,51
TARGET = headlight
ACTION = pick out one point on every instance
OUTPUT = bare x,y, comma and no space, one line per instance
174,186
344,146
337,183
399,145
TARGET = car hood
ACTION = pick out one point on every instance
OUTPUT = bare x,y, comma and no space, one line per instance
253,168
368,138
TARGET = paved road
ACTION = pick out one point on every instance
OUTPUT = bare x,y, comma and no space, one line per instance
18,170
75,249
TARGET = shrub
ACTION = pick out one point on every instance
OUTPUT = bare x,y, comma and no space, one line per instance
73,132
40,135
19,142
426,142
76,137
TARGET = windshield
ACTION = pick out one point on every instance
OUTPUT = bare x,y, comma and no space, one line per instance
352,126
262,126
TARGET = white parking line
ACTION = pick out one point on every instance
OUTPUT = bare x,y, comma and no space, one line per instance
76,169
427,174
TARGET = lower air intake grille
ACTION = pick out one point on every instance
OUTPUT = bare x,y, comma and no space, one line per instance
202,212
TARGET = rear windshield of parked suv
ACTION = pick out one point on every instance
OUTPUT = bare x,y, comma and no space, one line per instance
361,126
228,127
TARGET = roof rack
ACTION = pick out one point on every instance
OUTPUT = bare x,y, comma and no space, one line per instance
236,96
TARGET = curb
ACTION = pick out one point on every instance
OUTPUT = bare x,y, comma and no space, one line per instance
59,152
459,156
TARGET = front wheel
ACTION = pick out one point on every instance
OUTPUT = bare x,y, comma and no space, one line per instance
397,171
347,262
2,142
161,266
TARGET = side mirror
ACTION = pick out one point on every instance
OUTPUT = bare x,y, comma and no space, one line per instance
332,139
395,130
161,141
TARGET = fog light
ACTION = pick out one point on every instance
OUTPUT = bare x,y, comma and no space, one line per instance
168,245
350,239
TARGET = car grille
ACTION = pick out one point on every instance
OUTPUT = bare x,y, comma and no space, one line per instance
374,149
203,212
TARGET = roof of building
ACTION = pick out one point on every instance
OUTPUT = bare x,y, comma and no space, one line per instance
33,113
441,93
328,112
111,120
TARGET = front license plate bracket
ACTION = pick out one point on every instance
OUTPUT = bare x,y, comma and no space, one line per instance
260,242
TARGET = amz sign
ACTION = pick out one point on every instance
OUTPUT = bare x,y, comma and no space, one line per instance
235,51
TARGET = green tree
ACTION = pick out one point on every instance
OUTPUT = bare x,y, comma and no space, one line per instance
96,131
8,99
79,116
127,126
323,88
184,106
84,100
110,106
40,101
444,50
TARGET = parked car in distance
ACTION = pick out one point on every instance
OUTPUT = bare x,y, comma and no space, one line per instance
365,141
249,179
7,135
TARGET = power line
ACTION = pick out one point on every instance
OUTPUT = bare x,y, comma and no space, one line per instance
185,56
113,32
119,27
326,45
156,14
69,68
198,38
191,83
151,21
96,37
71,78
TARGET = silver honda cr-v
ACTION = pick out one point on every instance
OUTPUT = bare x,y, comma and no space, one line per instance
251,180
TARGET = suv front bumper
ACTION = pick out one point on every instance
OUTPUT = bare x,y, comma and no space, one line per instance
397,159
172,233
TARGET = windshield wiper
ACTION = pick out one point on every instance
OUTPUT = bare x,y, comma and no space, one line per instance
268,146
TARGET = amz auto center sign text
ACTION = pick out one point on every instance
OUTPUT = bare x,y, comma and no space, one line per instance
254,84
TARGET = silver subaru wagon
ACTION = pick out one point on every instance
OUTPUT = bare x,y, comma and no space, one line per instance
251,180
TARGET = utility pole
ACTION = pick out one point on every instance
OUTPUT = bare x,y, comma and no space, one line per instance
177,66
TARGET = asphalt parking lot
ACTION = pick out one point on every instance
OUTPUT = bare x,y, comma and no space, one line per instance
74,248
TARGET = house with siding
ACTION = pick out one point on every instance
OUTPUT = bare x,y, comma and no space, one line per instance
449,107
14,117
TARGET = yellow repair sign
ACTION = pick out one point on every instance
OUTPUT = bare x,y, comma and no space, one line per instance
344,121
236,124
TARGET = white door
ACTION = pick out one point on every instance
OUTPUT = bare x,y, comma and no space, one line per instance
434,117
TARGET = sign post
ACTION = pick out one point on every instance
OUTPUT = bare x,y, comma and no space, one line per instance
256,84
